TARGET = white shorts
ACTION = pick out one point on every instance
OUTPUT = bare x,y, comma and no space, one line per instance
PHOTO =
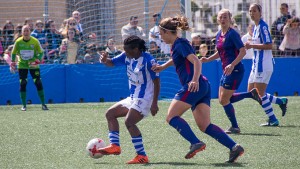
141,105
260,77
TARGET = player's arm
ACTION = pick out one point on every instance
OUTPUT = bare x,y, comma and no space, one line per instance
105,60
154,106
194,83
40,51
158,68
268,46
211,58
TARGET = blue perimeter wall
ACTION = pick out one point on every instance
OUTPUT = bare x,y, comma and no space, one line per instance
97,83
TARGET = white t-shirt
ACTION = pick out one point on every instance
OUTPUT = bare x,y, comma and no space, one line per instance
249,52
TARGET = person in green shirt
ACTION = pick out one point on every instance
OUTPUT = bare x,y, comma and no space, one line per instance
30,53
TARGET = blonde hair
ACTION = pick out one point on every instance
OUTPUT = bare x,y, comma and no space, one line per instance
174,23
222,11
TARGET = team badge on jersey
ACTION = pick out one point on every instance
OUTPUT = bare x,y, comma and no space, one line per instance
32,46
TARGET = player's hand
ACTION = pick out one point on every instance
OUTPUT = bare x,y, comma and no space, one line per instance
103,57
204,59
13,66
157,68
247,45
193,86
154,109
228,69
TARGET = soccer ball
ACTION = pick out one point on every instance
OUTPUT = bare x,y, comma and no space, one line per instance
93,145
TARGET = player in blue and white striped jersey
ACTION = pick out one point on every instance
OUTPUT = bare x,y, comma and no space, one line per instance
262,66
144,85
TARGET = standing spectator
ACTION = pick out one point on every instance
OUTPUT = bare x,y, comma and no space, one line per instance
63,26
8,34
18,32
277,27
248,37
69,49
132,28
30,55
29,21
203,50
262,65
54,39
194,93
155,36
40,34
71,24
111,49
291,41
144,86
76,16
91,57
7,55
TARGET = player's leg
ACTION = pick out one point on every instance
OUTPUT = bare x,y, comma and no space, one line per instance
36,76
23,83
224,99
202,117
266,104
281,101
117,110
132,118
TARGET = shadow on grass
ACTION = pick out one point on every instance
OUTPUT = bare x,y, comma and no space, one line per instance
228,164
289,126
261,134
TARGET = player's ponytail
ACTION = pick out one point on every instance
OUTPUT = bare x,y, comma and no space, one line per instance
174,24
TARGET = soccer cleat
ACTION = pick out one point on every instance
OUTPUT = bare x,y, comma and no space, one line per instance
236,151
111,149
255,95
139,159
44,107
283,106
233,130
23,108
194,149
270,123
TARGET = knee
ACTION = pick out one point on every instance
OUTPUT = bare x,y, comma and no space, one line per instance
38,83
110,114
223,102
168,119
23,84
128,124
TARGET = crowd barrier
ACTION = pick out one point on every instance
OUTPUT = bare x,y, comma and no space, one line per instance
97,83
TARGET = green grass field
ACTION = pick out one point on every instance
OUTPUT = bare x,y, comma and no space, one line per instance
57,138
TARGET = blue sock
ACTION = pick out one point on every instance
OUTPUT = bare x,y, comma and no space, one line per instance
230,112
267,106
138,145
218,134
274,99
114,137
240,96
184,129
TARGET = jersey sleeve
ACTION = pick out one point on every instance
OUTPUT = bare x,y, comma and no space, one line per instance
150,63
119,60
186,49
265,34
236,39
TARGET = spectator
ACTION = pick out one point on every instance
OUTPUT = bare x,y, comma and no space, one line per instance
40,34
91,57
155,36
7,54
277,27
63,26
291,42
248,37
76,16
1,40
18,32
54,39
71,24
29,21
132,29
196,42
111,49
203,50
8,34
155,51
68,49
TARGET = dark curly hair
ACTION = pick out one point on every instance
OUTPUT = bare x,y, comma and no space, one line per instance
135,42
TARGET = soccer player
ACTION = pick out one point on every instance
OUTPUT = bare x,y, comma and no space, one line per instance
231,50
194,93
262,66
30,55
144,85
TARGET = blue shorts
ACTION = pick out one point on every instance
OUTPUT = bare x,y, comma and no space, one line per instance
232,81
195,98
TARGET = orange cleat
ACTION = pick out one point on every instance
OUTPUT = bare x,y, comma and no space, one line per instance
139,159
111,149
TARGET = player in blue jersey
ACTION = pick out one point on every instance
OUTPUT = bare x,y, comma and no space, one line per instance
262,66
231,50
194,93
144,86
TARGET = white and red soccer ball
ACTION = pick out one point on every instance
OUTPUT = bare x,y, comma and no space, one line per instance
92,147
